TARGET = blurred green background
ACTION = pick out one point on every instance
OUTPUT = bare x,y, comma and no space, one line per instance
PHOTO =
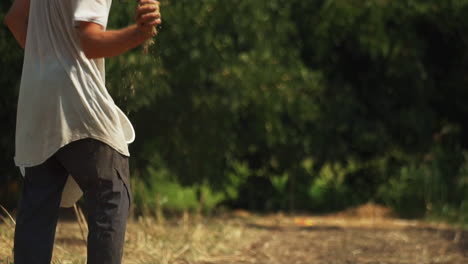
297,106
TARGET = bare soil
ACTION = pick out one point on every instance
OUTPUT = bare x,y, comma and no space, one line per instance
363,241
365,235
368,234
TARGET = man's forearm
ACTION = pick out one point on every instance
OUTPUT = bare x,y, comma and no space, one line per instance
19,31
97,43
17,20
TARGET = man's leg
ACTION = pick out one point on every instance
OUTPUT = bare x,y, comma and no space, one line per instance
38,213
103,175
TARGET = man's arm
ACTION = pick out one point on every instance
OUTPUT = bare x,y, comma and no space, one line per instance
98,43
17,20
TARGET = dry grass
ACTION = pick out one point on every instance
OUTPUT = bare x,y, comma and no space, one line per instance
6,236
182,240
185,241
243,238
6,243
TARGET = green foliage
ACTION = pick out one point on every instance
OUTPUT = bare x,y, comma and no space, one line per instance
157,191
433,186
161,193
292,105
10,69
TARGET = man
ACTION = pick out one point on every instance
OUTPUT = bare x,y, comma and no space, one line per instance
68,124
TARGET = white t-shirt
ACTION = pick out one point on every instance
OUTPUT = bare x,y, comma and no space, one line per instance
62,96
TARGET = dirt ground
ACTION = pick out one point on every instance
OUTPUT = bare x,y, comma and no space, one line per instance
364,241
365,235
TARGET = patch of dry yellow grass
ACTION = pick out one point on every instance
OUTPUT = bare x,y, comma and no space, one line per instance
182,240
7,228
185,241
6,243
243,238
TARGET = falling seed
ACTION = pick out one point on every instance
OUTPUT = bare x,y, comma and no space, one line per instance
149,42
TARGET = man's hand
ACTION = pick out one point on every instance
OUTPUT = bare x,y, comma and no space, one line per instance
147,16
98,43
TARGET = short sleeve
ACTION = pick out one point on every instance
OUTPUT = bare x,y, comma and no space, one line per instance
96,11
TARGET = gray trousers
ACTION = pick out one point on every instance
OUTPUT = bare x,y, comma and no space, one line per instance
103,175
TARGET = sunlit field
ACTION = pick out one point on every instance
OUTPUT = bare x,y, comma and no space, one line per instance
364,235
309,106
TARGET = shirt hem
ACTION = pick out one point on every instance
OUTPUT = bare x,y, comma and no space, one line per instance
35,163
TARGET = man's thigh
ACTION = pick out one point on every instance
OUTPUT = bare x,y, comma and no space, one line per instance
103,175
42,188
38,212
93,163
